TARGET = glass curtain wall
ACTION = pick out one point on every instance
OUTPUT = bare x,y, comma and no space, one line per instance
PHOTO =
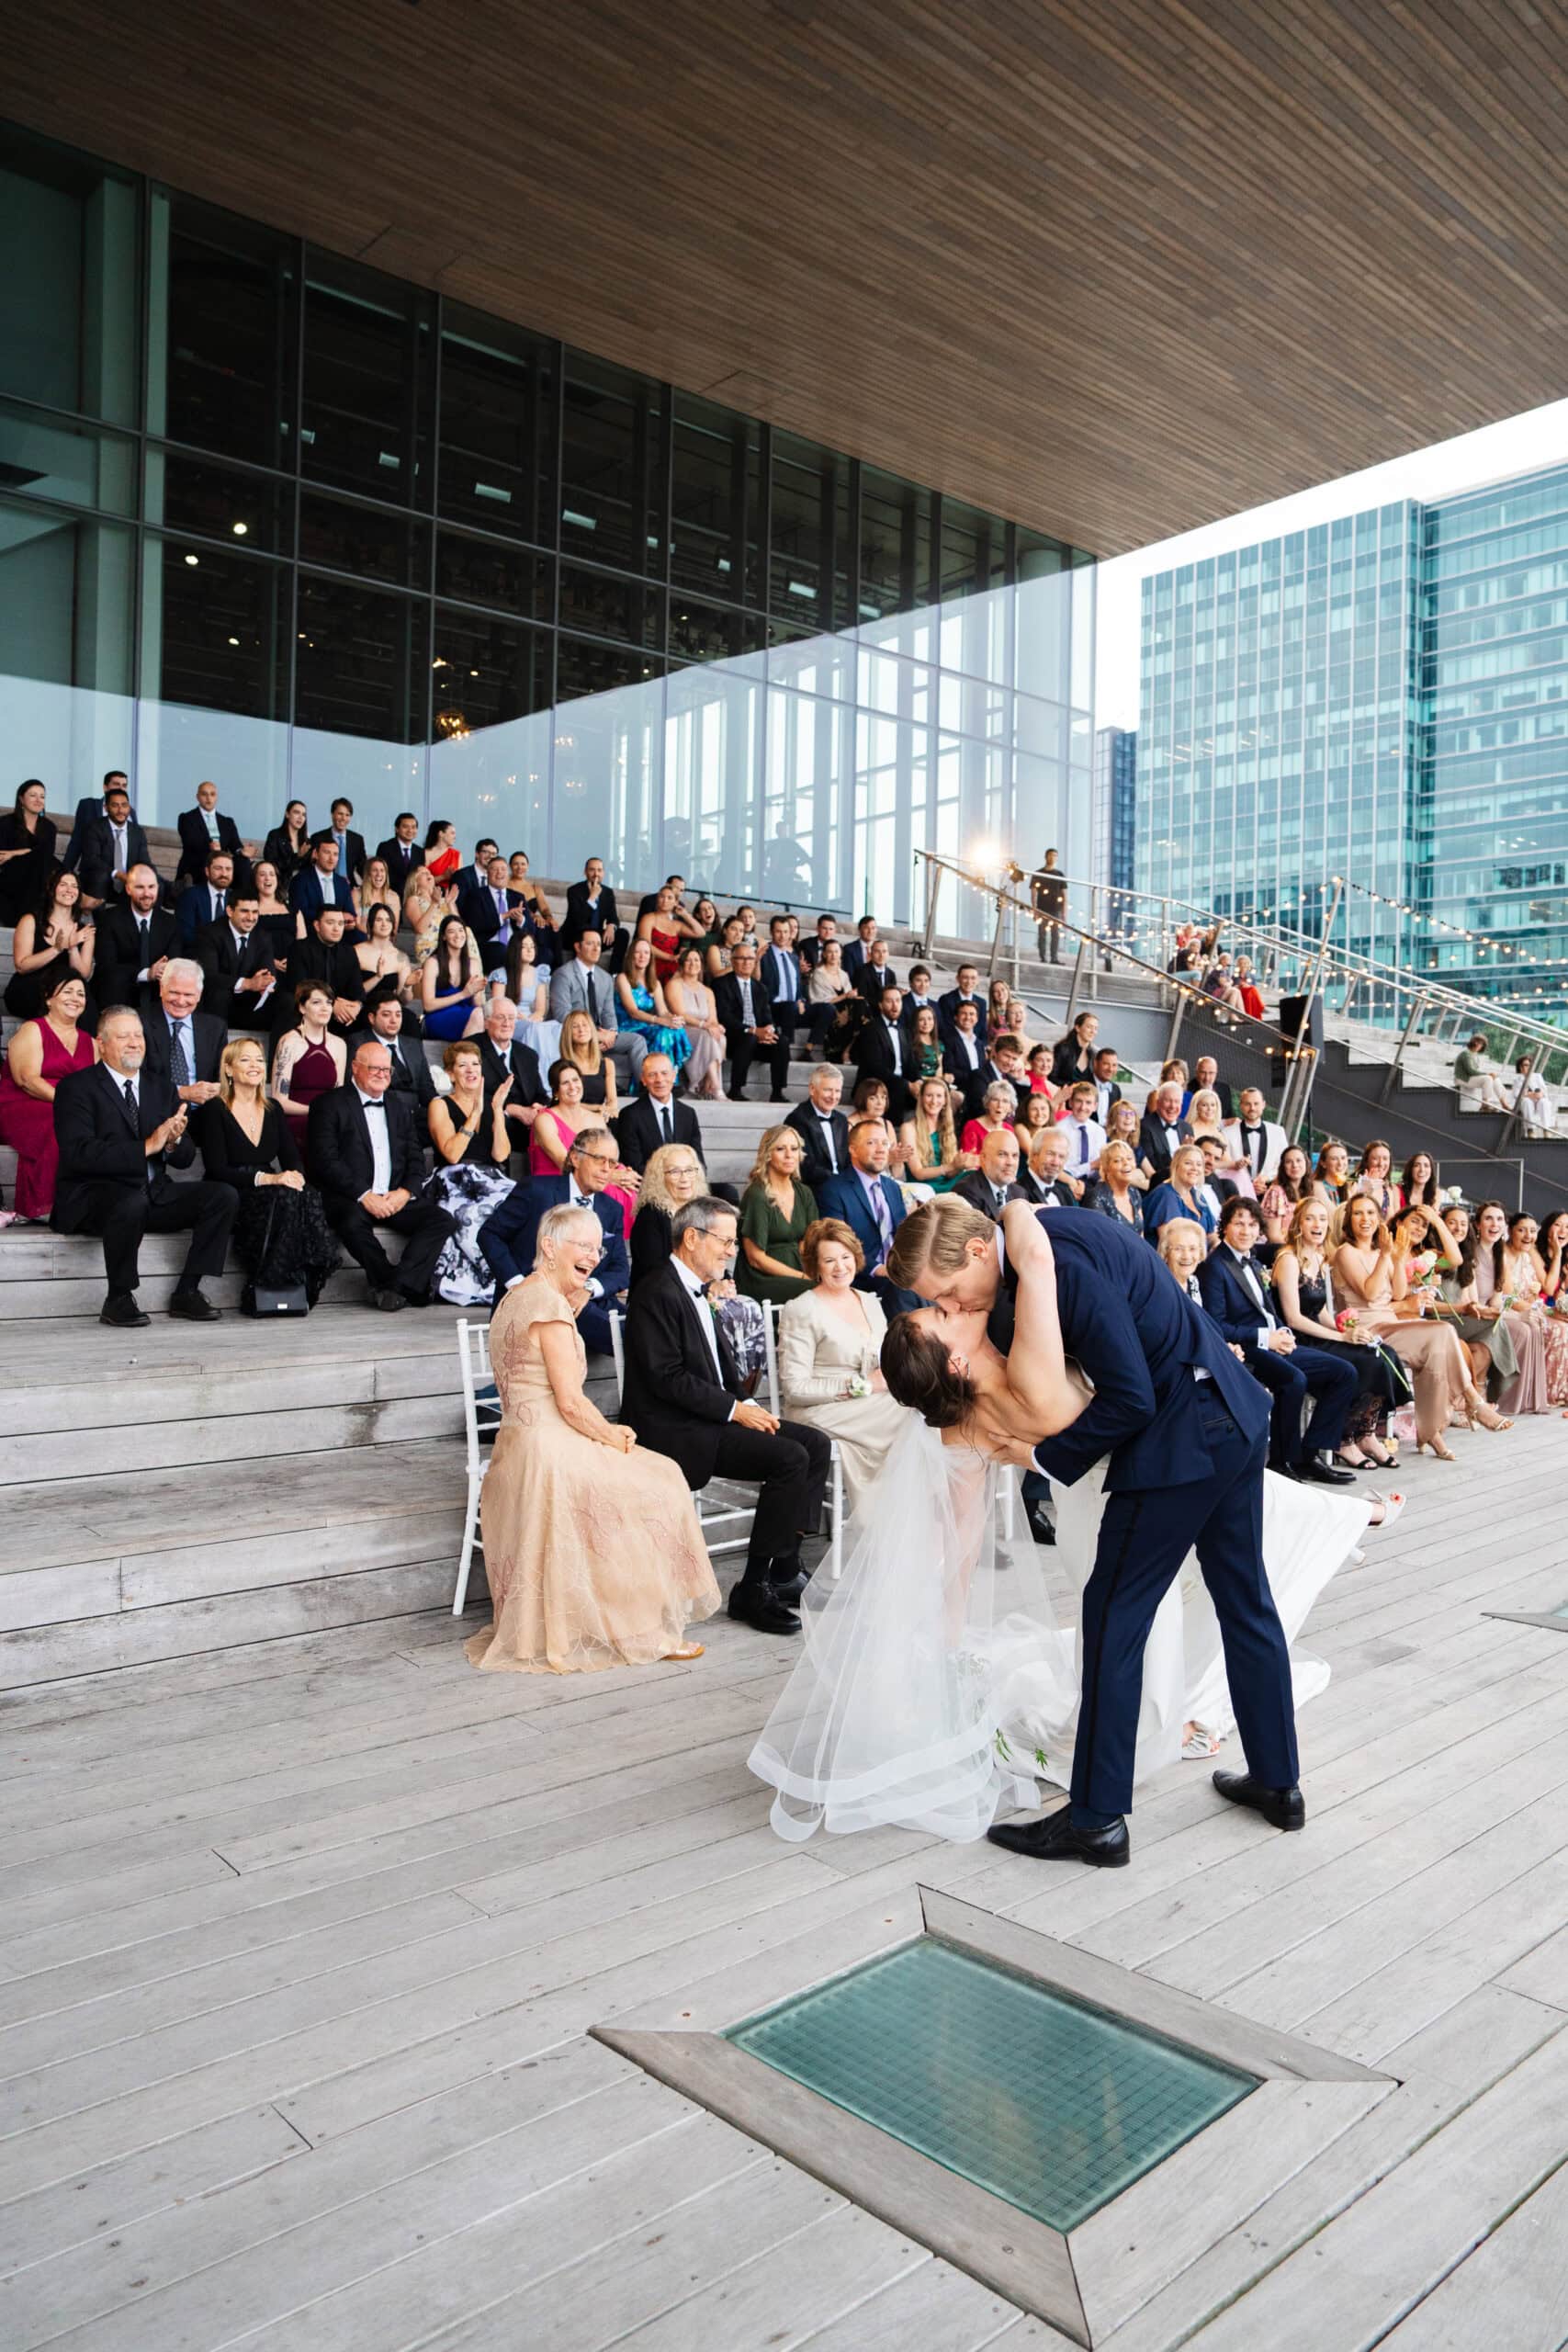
275,518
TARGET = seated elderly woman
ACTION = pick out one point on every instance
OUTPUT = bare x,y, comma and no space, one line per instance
673,1177
1182,1195
830,1355
473,1152
999,1104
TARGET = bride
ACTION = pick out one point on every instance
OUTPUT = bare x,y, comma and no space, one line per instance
914,1702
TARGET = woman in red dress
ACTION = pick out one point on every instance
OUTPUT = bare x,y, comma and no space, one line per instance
658,927
41,1053
441,852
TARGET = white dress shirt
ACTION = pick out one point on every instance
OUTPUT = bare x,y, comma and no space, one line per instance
895,1039
693,1290
1086,1139
1251,1282
376,1116
968,1047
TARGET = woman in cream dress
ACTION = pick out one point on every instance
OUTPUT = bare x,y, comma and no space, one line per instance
829,1354
592,1551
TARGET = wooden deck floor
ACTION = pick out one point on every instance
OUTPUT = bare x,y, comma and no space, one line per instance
298,1946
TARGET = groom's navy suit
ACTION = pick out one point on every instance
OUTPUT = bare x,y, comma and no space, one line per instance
1184,1429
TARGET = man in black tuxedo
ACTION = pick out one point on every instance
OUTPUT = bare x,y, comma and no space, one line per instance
183,1044
238,978
135,938
876,974
363,1154
207,900
108,847
994,1184
882,1051
822,1127
1161,1130
590,906
811,949
917,998
95,804
204,829
323,956
350,845
509,1235
966,992
1006,1061
1236,1295
741,1001
493,914
654,1117
467,880
964,1047
412,1073
400,852
683,1397
1051,1185
503,1054
119,1128
321,885
783,984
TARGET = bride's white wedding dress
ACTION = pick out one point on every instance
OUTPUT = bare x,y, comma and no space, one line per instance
916,1704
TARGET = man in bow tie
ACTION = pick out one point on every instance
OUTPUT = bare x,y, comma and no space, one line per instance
1252,1141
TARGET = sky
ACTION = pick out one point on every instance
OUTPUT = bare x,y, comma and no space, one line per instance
1538,437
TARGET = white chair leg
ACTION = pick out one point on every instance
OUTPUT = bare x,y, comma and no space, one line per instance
466,1556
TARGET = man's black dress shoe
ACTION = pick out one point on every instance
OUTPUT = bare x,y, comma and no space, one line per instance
388,1301
1286,1809
120,1309
1055,1840
733,1097
1040,1528
192,1307
1318,1471
757,1606
776,1096
416,1297
1285,1470
787,1579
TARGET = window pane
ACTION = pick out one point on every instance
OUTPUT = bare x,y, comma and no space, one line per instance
213,629
895,545
74,465
716,501
361,662
367,382
485,672
67,600
70,280
809,584
973,550
488,571
705,633
370,541
224,357
612,501
599,602
584,668
219,503
498,425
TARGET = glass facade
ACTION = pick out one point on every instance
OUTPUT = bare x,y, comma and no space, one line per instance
1115,816
1278,728
269,516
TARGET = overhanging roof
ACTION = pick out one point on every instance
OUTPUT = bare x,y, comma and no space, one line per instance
1111,268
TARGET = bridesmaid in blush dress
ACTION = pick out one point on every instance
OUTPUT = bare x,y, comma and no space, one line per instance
41,1054
592,1551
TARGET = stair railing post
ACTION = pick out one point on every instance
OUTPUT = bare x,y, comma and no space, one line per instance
996,938
934,884
1074,987
1182,996
1418,1008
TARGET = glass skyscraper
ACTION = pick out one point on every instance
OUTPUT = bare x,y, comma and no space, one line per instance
270,516
1383,697
1115,816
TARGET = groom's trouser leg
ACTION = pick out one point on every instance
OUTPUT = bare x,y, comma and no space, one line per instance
1143,1538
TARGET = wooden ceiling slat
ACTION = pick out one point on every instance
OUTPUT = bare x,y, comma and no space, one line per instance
1110,266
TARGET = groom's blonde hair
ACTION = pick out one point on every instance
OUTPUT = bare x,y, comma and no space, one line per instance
935,1237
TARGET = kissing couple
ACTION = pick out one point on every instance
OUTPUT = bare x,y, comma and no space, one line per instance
1057,1340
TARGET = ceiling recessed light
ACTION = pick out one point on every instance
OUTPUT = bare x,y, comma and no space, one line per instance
240,529
193,559
233,640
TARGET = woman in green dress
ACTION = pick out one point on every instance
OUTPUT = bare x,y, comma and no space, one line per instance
930,1137
1487,1338
775,1210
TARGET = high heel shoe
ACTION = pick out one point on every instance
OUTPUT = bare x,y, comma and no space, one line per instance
1437,1446
1484,1415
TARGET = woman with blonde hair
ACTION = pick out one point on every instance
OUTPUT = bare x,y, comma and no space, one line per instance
1305,1290
1115,1191
592,1552
375,889
691,1006
1122,1127
473,1151
930,1138
775,1210
281,1234
673,1176
1369,1274
580,1046
1182,1195
829,1356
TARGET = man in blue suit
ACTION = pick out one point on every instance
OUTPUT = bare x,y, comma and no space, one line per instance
870,1205
1183,1429
321,885
507,1237
1237,1298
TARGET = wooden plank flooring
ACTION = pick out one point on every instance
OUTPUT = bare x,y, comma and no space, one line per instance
299,1944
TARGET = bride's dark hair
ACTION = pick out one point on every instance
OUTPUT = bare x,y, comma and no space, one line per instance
916,1367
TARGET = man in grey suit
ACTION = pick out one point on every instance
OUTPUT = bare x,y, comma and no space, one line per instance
581,987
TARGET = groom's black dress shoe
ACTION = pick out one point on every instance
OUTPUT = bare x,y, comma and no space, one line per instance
1286,1809
1318,1469
759,1606
1055,1840
787,1579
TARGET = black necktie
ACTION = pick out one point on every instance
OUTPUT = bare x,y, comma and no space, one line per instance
131,1103
146,944
665,1128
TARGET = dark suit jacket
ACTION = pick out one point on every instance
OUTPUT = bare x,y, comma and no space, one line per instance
783,976
193,911
355,844
671,1397
87,810
870,983
117,957
338,1159
1222,1088
814,1169
986,1075
310,958
976,1189
636,1131
98,1145
1226,1300
578,919
222,964
855,956
92,849
957,1061
307,897
277,850
726,1001
478,911
196,846
412,1073
402,858
950,1004
509,1235
210,1034
527,1082
844,1196
1139,1338
1153,1147
1065,1061
874,1058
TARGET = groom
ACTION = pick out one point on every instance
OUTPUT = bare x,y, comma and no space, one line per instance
1185,1430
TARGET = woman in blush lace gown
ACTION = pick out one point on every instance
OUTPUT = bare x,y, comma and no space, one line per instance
592,1550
